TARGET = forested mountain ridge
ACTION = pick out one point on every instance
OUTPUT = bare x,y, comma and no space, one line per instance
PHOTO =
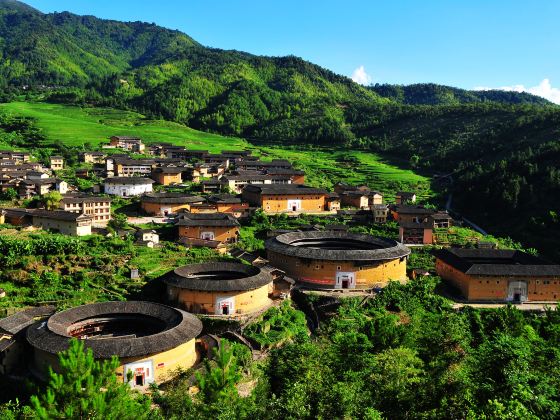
62,49
500,146
434,94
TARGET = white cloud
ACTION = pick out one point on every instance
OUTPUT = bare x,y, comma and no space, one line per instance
543,89
360,76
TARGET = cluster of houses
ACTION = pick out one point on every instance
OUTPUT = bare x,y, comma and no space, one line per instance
232,186
153,340
27,178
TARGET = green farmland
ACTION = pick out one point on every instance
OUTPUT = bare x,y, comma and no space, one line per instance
76,126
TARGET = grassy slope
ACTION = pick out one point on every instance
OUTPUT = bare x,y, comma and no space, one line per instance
76,126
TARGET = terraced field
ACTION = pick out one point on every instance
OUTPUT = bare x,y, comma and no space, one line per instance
76,126
326,167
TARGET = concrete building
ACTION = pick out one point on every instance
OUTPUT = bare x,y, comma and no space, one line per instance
93,157
239,179
499,275
19,157
99,208
28,188
219,288
132,144
338,259
128,186
164,204
147,237
151,340
125,167
57,163
290,198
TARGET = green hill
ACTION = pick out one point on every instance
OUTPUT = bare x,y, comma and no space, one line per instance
80,128
165,73
500,146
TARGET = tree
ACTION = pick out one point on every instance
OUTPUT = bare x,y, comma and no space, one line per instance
414,161
51,200
396,374
87,389
10,194
221,376
118,221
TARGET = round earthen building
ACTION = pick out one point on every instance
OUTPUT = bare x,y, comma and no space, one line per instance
219,288
151,340
338,259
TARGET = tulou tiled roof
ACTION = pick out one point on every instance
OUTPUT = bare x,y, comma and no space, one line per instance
17,322
171,198
406,209
335,245
173,170
284,189
224,199
179,327
207,219
496,262
48,214
218,276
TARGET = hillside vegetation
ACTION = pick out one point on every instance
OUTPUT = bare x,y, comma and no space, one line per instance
500,146
433,94
40,125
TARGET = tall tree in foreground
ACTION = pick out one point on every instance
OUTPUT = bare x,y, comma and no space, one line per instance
220,377
218,397
87,389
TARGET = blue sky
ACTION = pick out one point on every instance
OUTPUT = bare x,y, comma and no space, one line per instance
507,44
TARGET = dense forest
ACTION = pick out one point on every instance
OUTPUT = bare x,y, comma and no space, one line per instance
507,137
405,355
